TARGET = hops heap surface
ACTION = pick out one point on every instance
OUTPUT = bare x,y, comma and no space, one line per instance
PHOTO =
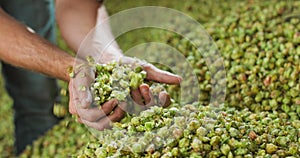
260,48
198,131
259,43
63,140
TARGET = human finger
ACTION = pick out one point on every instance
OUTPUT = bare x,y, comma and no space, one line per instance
137,97
147,95
95,113
164,99
105,122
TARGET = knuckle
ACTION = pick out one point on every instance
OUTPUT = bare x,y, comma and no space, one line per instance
147,66
100,127
91,118
85,105
71,111
88,118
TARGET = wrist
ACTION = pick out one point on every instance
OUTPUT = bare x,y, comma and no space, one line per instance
109,54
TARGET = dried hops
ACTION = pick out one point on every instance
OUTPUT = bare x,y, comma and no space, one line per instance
194,129
114,80
260,47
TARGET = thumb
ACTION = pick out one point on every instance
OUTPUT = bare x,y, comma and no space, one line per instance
155,74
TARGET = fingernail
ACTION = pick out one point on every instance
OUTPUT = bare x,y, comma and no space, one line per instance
164,99
144,85
115,103
179,79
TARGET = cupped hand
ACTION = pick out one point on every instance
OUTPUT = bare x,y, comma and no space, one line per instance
81,101
100,116
143,96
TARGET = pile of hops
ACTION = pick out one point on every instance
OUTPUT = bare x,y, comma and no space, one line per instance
198,131
260,48
259,43
63,140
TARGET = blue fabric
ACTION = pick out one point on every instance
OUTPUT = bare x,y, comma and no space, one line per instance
33,94
37,14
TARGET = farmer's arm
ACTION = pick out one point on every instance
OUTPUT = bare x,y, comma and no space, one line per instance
75,19
25,49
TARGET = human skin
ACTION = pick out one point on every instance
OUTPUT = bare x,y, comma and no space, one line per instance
22,48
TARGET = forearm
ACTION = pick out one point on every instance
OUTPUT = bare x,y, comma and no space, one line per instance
76,19
25,49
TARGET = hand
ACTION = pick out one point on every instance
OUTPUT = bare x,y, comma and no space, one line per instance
143,96
112,111
81,102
